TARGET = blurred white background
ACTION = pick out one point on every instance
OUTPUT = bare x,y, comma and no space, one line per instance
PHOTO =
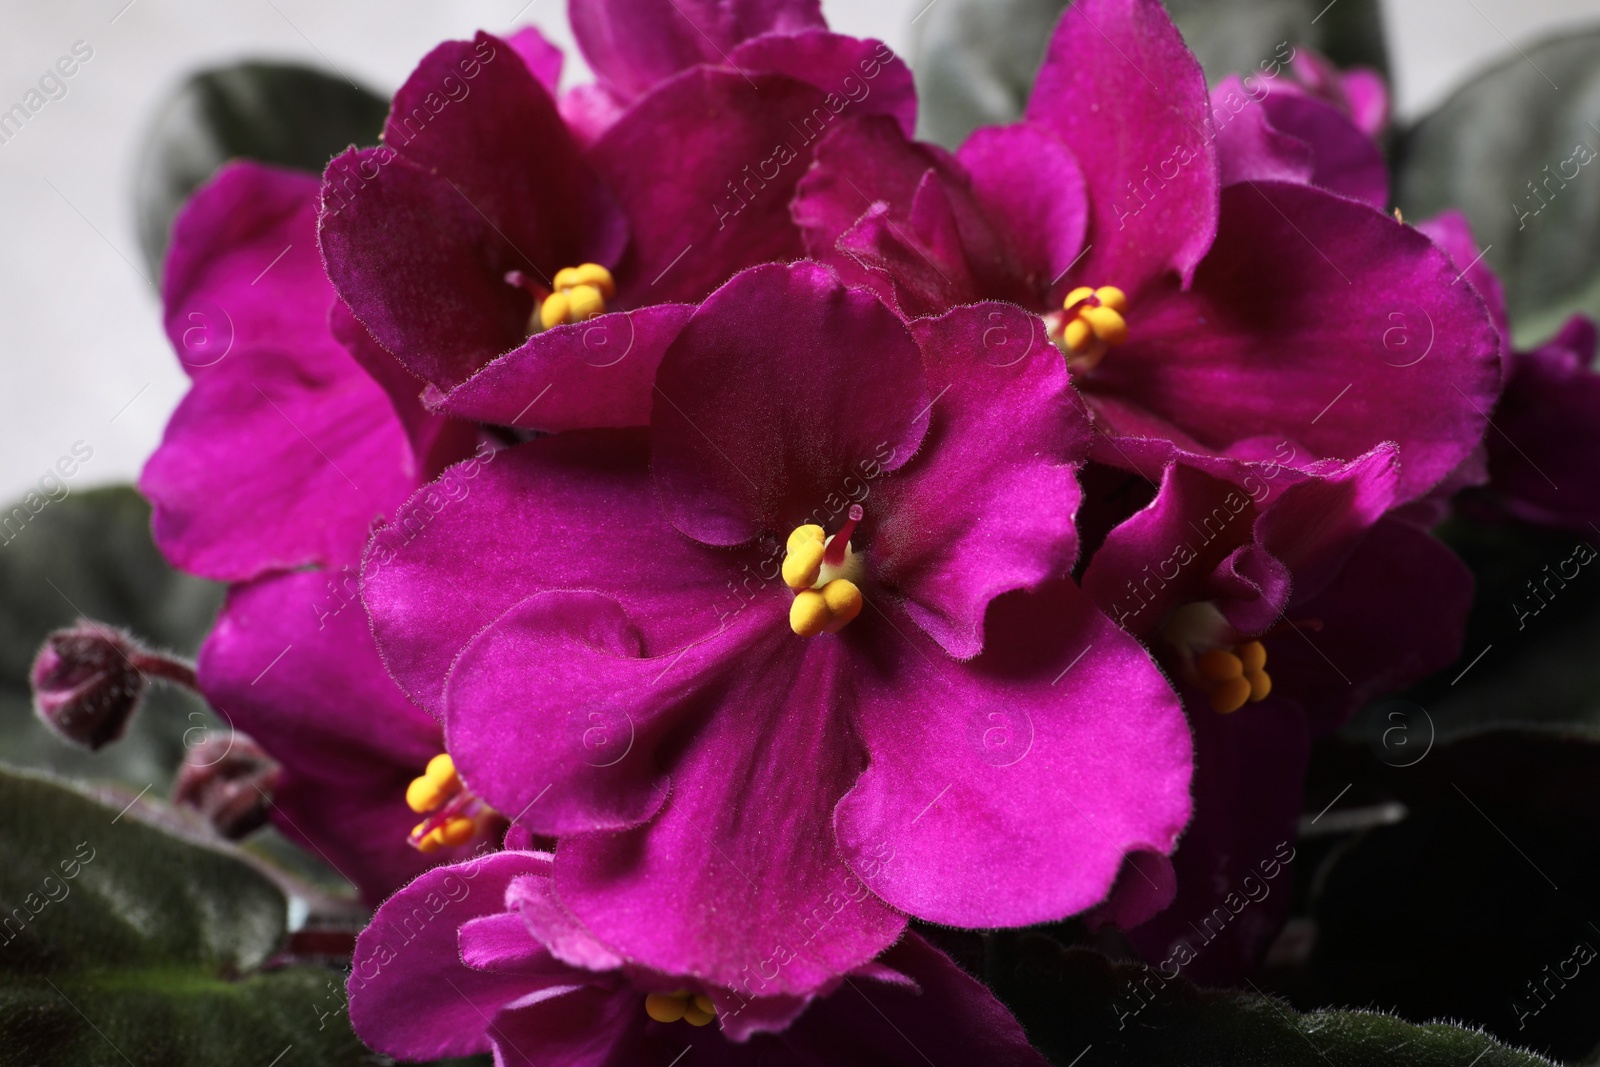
82,355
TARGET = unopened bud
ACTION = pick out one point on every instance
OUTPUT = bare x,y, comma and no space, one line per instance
85,685
229,779
88,680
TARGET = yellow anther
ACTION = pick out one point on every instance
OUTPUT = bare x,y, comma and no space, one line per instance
437,784
803,563
1252,656
1219,665
591,274
696,1017
429,842
809,614
802,534
843,601
703,1003
457,831
1092,322
1230,696
580,293
665,1007
1260,686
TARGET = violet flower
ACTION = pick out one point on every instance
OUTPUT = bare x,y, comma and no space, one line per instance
1299,587
483,955
270,474
534,282
1228,318
607,627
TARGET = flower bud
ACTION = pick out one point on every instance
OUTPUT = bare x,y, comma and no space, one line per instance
86,685
229,779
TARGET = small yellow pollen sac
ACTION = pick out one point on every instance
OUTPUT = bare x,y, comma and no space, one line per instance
437,784
1252,656
809,614
1219,665
844,601
803,563
1230,696
802,534
665,1007
695,1017
703,1003
580,293
1260,686
1093,322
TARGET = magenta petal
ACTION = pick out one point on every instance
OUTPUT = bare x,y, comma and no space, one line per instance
1127,96
533,900
420,234
743,445
1235,883
1451,231
726,206
579,491
941,1016
284,451
1029,184
561,773
436,441
291,663
1346,160
1307,299
544,59
864,76
1393,615
1250,147
594,374
987,504
741,855
1053,755
1544,450
407,960
581,1026
634,44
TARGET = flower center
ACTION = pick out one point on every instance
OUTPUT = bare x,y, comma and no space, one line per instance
1092,322
577,294
696,1010
1232,673
823,572
455,814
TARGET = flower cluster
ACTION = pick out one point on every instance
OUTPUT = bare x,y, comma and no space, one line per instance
684,530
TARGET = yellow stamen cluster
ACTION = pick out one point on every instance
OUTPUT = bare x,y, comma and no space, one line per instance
824,601
1235,675
1093,323
696,1010
438,786
580,294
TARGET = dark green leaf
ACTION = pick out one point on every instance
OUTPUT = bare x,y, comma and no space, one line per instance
975,60
124,944
1079,1008
91,554
1486,150
280,113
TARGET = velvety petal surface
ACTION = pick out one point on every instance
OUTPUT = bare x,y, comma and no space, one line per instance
857,75
594,374
986,505
1007,790
1318,320
292,664
1032,189
1125,94
740,861
1544,448
478,176
1394,614
744,445
589,497
411,994
1234,864
1345,160
634,44
284,450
